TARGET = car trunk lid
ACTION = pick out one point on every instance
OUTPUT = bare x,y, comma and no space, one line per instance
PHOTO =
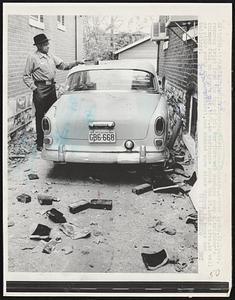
130,112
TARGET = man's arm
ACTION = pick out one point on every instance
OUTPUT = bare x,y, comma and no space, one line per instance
61,65
27,76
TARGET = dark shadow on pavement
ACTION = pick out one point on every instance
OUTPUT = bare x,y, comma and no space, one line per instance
101,173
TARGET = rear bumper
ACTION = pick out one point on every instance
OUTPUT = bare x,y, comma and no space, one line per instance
136,157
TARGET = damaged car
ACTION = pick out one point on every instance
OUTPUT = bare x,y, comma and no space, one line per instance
109,113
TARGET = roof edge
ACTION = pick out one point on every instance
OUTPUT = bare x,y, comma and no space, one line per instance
136,43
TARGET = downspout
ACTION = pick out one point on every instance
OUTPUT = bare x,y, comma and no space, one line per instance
76,56
158,49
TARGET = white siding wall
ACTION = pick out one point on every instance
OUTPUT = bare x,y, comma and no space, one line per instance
146,50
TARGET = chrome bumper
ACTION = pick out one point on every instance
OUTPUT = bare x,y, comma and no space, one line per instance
134,157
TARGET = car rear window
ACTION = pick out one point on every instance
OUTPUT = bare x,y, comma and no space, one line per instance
119,79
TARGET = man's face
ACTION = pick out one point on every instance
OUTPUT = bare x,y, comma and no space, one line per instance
44,47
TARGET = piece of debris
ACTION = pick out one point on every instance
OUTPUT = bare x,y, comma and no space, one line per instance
97,233
11,223
50,246
176,165
180,266
46,199
28,248
16,156
176,188
179,158
85,252
55,234
170,230
33,176
101,204
142,188
73,232
187,162
168,170
163,181
161,227
48,182
192,219
67,250
24,198
93,223
27,170
56,216
98,240
181,174
42,232
94,180
155,260
192,179
78,206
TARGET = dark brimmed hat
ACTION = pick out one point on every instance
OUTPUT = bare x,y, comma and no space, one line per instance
40,38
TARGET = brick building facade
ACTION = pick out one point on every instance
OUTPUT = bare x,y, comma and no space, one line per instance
66,41
177,68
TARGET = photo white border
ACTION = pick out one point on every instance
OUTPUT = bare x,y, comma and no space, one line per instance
206,13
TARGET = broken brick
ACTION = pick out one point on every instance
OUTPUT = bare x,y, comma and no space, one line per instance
56,216
42,232
155,260
101,204
142,188
78,206
46,200
24,198
33,176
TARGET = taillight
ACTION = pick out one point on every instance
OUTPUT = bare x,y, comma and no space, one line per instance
159,126
46,127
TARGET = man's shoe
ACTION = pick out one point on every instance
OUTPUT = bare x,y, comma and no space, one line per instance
39,148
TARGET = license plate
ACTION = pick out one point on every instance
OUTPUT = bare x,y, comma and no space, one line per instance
101,136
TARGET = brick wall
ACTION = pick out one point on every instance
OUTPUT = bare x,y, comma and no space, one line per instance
178,69
178,63
20,44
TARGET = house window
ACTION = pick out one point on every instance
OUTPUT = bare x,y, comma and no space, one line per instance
61,22
37,21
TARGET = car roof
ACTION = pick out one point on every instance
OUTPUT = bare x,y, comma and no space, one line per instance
143,66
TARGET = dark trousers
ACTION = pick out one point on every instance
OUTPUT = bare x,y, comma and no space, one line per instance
43,98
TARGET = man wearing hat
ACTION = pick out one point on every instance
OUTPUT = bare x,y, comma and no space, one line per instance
39,76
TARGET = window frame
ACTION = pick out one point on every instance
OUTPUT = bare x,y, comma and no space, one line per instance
61,22
36,22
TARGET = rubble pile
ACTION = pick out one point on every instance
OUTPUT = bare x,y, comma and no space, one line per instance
20,146
173,179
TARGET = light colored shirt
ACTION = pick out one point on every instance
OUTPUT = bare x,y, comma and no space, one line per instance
40,67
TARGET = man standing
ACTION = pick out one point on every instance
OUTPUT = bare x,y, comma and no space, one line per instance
39,76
